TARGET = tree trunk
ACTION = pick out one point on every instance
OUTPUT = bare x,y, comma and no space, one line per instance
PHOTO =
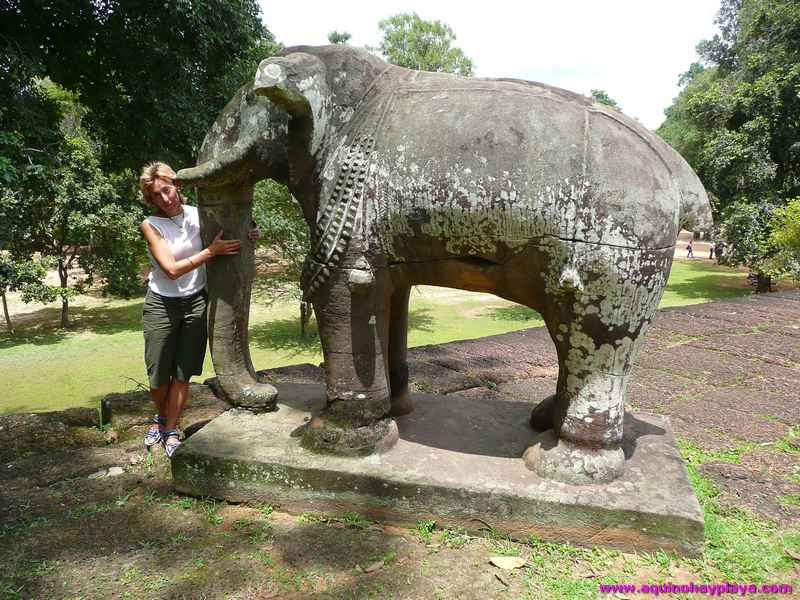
62,275
763,283
305,315
5,312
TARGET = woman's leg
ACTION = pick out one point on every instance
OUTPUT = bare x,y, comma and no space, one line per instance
159,396
176,399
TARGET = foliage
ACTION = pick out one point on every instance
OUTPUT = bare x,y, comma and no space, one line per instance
117,251
737,121
785,239
170,67
678,129
25,276
409,41
743,239
602,97
339,37
786,226
72,216
285,232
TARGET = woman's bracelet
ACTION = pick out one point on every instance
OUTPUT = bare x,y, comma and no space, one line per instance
194,266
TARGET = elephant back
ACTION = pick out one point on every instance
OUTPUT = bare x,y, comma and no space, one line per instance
483,167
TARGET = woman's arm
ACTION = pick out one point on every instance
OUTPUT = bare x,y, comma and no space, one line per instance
175,268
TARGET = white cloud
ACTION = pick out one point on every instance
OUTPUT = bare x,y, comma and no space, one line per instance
633,49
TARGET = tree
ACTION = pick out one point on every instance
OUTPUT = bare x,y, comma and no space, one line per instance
744,240
152,75
602,97
88,87
737,121
339,37
411,42
285,231
26,276
785,239
74,217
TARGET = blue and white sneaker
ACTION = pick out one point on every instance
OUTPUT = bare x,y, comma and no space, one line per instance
155,435
171,441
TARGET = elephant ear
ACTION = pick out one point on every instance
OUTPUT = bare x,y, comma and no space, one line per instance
298,83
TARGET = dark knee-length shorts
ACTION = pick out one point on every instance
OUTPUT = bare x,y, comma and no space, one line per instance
175,335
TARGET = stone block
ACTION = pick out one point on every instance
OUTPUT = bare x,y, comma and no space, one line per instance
458,461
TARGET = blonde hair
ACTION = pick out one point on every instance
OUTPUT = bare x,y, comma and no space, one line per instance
153,171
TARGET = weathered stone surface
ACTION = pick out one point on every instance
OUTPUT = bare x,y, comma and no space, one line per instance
458,459
432,377
761,483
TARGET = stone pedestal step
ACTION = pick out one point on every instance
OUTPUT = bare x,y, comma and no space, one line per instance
458,461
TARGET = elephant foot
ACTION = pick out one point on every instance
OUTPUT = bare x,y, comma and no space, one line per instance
257,397
543,416
401,403
325,436
561,460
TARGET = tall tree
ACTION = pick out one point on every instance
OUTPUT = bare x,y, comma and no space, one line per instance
409,41
152,75
737,121
26,276
285,233
59,218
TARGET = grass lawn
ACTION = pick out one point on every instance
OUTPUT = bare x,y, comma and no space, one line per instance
44,368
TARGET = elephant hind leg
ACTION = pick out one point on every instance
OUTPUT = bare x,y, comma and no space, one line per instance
401,403
597,325
584,417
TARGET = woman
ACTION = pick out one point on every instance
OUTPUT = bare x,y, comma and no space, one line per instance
174,315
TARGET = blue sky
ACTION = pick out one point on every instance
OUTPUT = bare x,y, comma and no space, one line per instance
633,49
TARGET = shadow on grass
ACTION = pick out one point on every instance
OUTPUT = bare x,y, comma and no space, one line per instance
99,320
517,313
284,334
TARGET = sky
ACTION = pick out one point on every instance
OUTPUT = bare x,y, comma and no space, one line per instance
635,50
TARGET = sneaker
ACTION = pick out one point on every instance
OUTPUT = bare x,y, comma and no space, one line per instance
171,442
155,434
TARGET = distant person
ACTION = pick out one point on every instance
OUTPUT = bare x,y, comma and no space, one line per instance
174,313
689,253
711,250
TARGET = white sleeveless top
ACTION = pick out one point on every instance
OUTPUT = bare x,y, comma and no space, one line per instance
182,233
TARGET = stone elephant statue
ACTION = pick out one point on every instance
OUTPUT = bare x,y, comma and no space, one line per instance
511,187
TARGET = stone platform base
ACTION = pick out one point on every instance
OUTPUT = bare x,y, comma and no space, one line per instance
458,461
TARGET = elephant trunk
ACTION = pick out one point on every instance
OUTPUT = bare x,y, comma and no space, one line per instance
230,166
230,279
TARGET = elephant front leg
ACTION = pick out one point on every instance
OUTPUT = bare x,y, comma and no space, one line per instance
352,316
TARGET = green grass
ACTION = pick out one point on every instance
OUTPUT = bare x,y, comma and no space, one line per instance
739,544
45,368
